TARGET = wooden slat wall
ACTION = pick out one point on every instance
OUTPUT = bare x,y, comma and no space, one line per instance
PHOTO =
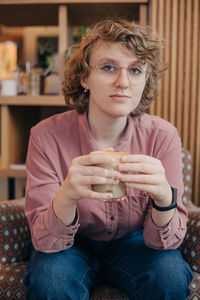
178,21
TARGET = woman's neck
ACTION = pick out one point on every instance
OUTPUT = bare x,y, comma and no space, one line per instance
106,131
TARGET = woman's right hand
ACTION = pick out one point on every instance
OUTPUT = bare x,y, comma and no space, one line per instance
82,173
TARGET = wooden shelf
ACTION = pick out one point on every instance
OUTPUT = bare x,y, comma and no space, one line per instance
43,100
11,173
9,2
45,13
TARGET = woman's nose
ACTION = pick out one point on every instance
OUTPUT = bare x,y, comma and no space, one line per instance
122,79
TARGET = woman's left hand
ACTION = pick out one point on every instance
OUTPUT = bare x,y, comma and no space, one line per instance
146,173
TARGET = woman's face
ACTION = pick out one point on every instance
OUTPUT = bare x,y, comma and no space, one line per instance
114,90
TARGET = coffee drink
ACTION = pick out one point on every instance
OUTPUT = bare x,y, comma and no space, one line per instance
118,190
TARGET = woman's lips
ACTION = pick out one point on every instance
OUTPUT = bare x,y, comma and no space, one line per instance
119,98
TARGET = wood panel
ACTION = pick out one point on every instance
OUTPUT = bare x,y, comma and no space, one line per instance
62,41
178,22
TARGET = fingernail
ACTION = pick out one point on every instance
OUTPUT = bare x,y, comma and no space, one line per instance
115,181
120,199
109,196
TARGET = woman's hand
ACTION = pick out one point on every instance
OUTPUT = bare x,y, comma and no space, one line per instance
83,172
81,175
146,173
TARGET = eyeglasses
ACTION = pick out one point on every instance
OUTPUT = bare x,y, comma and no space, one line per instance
135,73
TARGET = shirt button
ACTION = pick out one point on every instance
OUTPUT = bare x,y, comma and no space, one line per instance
112,218
68,244
164,232
70,234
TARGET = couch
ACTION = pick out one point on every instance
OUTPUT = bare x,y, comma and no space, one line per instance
15,246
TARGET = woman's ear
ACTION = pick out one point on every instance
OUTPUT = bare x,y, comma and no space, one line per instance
84,83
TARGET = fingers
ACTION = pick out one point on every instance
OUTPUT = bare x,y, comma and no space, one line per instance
140,168
141,164
140,158
88,160
109,149
89,180
142,178
100,171
150,189
106,197
84,172
87,193
145,173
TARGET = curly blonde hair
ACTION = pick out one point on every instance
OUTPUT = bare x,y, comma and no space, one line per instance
141,41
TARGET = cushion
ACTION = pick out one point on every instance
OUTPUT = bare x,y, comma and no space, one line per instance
195,288
190,247
107,293
11,281
14,232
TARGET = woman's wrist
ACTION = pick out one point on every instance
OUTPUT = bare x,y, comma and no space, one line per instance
171,205
64,208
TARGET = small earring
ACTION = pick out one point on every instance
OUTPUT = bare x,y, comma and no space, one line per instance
85,90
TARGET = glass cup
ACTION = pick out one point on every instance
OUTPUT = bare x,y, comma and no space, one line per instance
118,190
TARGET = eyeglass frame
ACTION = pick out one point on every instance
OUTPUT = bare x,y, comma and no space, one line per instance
97,67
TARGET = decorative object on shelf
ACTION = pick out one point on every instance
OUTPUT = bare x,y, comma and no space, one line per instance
51,84
9,87
8,69
51,77
8,59
17,166
34,85
23,83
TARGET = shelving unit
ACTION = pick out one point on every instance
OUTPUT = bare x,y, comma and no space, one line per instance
20,113
43,100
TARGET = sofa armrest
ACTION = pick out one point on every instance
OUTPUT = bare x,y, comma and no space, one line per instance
190,247
15,237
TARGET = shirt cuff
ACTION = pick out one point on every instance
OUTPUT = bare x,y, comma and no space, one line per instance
167,237
57,228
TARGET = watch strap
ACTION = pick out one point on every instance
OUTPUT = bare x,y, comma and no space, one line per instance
169,207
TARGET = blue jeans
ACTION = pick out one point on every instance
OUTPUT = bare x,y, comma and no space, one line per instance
127,264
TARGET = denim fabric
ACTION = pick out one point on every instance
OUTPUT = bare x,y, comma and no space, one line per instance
127,264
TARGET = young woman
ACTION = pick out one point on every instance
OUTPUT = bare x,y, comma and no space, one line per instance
82,237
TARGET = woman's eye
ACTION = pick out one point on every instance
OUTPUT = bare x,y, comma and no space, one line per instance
108,68
135,71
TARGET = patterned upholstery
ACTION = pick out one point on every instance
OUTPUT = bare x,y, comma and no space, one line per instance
187,176
191,245
14,232
15,247
11,281
195,287
107,293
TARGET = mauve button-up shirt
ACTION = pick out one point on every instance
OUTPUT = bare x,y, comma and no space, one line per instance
54,143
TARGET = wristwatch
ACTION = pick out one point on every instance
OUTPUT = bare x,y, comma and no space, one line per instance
171,206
